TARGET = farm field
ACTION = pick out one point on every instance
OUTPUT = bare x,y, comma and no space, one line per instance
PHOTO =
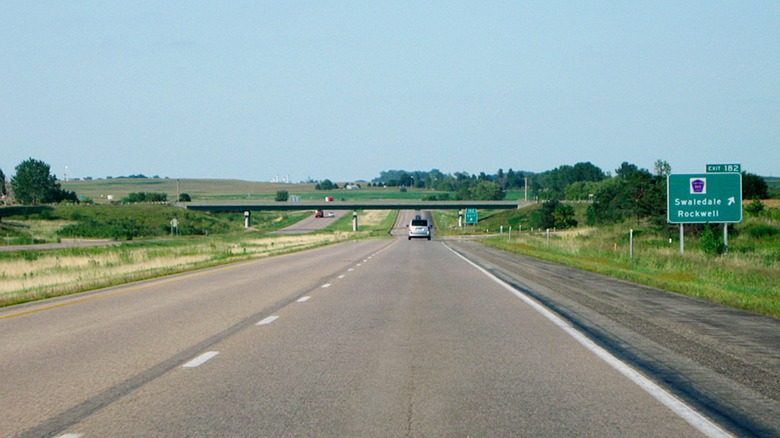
201,190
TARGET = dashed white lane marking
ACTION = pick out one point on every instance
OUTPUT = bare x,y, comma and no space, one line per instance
687,413
268,320
342,276
365,260
358,264
350,269
71,435
326,285
303,299
200,360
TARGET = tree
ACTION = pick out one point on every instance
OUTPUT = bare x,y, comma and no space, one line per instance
662,168
33,184
3,189
512,179
486,191
564,216
326,185
753,186
282,196
633,193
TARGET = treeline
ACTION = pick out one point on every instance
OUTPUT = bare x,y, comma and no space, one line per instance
632,193
140,197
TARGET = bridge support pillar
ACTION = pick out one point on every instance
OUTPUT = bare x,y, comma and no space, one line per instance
247,217
354,221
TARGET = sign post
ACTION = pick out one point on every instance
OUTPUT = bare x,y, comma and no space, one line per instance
714,197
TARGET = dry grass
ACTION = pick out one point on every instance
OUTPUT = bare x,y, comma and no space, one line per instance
372,218
52,274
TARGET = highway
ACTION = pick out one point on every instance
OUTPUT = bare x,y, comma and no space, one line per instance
311,223
368,338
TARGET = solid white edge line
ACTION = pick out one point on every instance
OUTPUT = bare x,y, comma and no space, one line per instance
200,360
695,419
267,320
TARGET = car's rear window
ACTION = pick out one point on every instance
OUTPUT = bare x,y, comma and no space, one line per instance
419,223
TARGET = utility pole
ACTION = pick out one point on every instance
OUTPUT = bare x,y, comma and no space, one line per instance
526,189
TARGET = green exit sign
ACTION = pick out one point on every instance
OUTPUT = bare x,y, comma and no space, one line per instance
471,216
704,198
724,168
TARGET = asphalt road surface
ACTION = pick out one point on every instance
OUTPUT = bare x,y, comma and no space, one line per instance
311,223
401,227
369,338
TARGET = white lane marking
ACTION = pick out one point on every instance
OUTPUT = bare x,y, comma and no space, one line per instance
303,299
365,260
687,413
358,264
268,320
342,276
200,360
350,269
326,285
71,435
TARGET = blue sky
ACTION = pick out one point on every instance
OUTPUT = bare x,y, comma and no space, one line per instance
344,90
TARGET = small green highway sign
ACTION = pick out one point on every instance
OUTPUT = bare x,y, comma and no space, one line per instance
704,198
724,168
471,216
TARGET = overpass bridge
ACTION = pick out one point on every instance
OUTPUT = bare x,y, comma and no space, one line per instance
249,207
353,205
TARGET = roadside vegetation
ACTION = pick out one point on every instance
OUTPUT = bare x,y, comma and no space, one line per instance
146,246
32,275
746,277
587,211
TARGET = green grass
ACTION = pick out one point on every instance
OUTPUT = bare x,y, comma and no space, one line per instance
129,222
748,277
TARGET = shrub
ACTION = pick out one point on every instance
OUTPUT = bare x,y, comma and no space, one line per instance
711,243
755,208
282,196
761,231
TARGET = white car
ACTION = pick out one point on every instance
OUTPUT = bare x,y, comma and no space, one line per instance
419,228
